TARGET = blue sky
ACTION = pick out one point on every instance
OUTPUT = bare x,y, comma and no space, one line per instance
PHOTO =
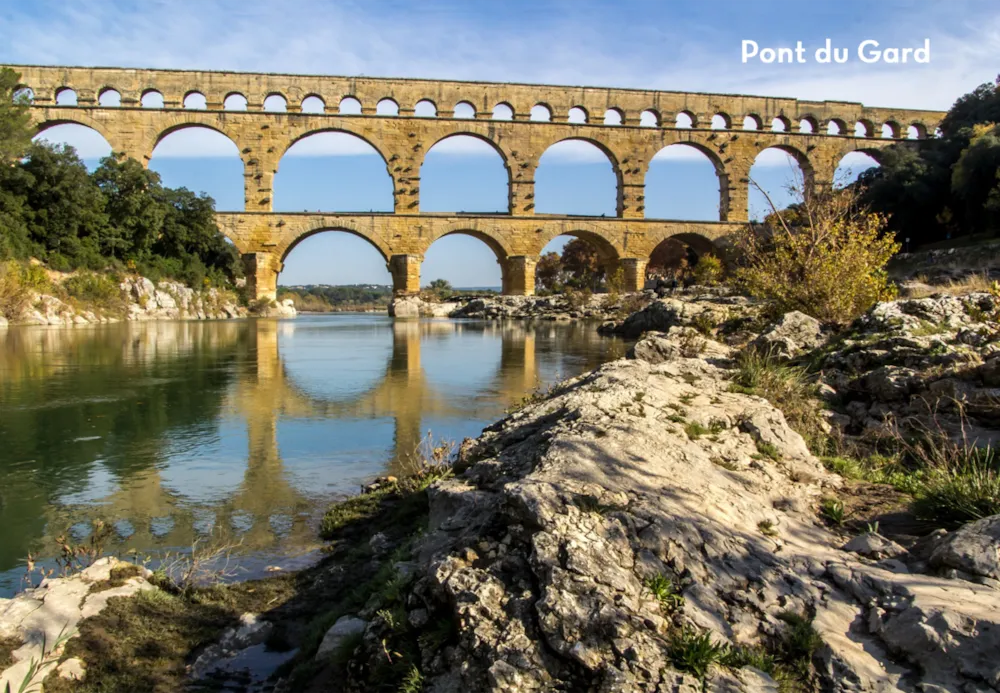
665,45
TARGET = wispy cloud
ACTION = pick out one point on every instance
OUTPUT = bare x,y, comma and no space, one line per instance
639,44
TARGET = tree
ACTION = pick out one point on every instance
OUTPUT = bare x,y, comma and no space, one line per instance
923,193
63,207
15,120
135,207
580,261
831,265
547,271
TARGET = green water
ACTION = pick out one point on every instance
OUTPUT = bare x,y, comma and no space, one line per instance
242,431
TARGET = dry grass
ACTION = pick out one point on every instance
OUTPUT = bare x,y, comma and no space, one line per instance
973,283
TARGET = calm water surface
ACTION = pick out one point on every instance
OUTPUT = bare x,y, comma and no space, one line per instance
242,431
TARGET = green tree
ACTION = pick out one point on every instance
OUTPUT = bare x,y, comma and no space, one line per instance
926,193
190,243
135,207
580,261
547,271
15,120
63,207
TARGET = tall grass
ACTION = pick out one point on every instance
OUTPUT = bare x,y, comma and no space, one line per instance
785,386
18,282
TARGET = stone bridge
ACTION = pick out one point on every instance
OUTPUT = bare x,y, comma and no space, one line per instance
818,134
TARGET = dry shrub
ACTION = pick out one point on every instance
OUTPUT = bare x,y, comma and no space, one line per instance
973,283
707,271
578,299
18,283
826,258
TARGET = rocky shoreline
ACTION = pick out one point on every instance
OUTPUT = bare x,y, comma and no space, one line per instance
143,300
653,525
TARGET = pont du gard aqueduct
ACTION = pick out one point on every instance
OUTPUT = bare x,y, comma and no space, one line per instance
731,130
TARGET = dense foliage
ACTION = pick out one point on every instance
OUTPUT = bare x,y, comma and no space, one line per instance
950,185
120,216
578,267
825,258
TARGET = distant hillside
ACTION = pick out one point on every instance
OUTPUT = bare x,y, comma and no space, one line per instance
323,298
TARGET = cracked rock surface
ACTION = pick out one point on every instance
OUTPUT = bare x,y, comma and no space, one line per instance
541,550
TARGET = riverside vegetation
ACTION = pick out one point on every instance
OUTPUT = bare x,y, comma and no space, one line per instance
790,483
94,230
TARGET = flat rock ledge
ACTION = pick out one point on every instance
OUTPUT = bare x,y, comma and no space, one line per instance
554,308
53,610
540,551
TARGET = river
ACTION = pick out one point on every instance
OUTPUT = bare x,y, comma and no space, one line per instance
242,432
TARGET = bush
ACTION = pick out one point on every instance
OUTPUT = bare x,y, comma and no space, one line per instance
18,281
578,299
95,290
707,271
827,258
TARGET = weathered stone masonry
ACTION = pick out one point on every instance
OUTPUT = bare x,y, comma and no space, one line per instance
517,238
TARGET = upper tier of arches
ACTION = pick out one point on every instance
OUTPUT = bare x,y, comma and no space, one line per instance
476,100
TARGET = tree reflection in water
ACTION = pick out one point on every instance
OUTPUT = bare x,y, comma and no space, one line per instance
138,424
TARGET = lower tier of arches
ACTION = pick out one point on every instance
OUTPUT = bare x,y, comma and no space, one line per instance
266,239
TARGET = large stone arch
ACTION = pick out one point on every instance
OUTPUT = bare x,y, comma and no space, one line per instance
604,147
291,239
505,157
495,240
609,249
82,120
183,120
364,137
721,174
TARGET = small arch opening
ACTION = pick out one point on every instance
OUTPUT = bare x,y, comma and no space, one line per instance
541,113
195,100
109,98
313,104
684,120
464,109
503,111
807,126
577,115
612,116
151,99
65,97
751,122
275,103
425,109
387,107
862,129
916,132
235,102
890,130
349,106
649,119
23,95
720,121
835,127
780,124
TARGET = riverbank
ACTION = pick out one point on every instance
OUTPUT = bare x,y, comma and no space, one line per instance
96,299
658,522
557,307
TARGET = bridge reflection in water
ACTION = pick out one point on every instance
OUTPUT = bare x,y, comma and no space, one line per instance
292,385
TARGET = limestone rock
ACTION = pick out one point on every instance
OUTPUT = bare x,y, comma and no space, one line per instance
3,322
973,549
345,628
792,335
679,342
874,545
542,548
